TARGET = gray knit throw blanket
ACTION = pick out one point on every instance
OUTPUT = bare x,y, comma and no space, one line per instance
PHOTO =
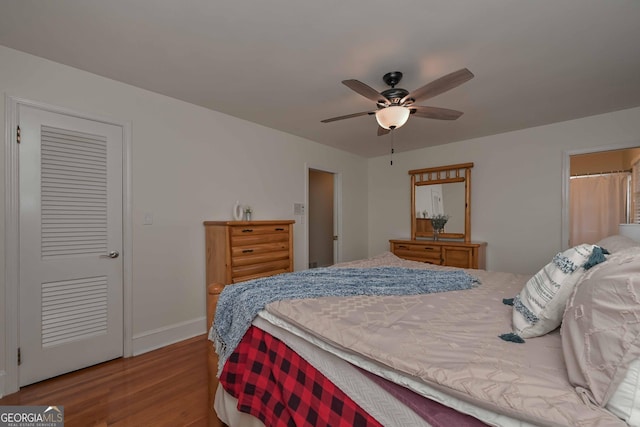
240,303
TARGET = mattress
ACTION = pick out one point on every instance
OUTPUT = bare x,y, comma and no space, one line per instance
446,346
388,403
340,356
376,401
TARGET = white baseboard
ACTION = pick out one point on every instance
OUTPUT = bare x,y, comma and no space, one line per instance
161,337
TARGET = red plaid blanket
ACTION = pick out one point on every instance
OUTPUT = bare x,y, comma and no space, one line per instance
273,383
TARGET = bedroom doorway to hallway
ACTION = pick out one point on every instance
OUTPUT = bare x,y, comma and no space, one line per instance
322,217
67,274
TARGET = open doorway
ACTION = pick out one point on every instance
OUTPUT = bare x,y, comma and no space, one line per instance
601,192
322,218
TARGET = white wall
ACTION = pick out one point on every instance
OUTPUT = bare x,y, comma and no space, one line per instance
516,186
190,164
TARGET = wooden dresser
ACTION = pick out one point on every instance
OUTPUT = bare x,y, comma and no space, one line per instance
243,250
440,252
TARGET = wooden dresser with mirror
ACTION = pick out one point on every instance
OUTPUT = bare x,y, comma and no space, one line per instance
444,190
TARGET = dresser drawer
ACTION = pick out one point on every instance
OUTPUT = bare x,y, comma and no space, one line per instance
258,229
418,252
252,271
259,275
256,248
255,239
458,257
259,258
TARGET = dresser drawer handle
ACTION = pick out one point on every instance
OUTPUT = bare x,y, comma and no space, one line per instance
279,229
402,247
247,251
428,248
247,230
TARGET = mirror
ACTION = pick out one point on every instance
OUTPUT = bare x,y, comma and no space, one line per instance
444,190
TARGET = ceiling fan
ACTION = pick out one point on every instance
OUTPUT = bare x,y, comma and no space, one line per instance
396,104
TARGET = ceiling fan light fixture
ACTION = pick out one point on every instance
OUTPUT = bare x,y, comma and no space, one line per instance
392,117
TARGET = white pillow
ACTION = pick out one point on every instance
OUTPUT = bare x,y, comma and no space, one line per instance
625,401
617,243
539,307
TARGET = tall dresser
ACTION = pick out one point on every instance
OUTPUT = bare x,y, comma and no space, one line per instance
243,250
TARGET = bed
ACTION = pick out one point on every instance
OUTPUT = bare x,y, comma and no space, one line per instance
441,357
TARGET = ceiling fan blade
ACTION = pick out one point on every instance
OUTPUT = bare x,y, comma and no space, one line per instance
348,116
382,131
435,112
366,91
439,86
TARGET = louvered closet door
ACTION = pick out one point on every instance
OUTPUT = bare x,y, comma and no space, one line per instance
70,220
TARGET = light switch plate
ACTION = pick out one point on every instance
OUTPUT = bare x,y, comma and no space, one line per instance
298,208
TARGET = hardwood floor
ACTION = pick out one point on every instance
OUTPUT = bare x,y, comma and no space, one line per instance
165,387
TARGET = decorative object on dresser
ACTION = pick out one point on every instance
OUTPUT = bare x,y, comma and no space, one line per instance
247,213
238,211
243,250
438,193
437,223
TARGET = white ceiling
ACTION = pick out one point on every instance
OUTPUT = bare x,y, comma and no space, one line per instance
280,62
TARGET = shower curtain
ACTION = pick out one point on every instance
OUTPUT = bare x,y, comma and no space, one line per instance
598,204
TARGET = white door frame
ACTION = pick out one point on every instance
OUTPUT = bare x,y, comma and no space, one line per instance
12,234
566,174
337,211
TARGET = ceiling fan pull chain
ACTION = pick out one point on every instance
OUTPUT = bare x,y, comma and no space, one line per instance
391,156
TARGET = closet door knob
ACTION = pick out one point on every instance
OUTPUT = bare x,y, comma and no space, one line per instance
112,254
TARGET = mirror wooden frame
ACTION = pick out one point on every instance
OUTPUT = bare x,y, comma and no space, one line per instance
441,175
